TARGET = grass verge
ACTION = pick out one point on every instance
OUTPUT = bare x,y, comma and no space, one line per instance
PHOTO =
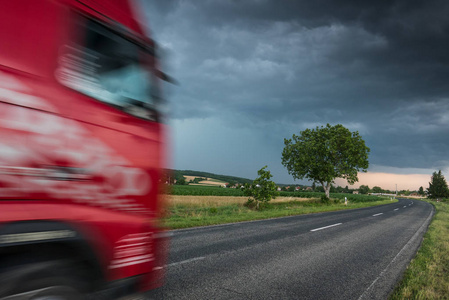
427,276
193,211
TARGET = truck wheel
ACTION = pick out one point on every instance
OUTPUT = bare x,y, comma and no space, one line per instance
46,280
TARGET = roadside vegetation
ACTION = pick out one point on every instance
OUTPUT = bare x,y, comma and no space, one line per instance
185,211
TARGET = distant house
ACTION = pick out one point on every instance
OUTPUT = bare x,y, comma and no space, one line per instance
297,188
355,192
309,188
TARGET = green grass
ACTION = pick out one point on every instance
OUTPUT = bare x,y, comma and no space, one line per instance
427,276
184,216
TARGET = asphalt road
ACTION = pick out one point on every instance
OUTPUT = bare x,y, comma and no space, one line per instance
356,254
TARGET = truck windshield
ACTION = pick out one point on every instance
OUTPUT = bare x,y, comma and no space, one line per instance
112,69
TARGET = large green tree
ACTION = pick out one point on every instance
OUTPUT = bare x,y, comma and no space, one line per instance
438,186
324,154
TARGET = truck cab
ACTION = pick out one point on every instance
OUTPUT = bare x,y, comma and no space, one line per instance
82,150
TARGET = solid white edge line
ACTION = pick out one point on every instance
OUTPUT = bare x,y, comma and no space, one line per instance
325,227
186,261
378,214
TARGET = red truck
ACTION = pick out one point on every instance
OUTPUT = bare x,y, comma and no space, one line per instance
82,150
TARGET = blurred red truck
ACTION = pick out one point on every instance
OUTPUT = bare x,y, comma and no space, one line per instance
82,150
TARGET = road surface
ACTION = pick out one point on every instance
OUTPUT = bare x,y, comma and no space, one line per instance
356,254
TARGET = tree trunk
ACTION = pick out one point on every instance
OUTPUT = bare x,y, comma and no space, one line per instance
327,188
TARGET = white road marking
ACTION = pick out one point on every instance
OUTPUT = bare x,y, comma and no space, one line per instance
325,227
186,261
378,214
405,206
396,209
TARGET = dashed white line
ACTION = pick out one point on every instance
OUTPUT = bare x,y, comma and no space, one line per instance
378,214
325,227
396,209
405,206
185,261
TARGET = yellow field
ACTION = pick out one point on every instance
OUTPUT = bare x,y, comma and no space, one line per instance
189,178
204,182
213,201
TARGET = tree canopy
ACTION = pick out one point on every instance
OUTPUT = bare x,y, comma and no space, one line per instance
421,191
324,154
438,186
364,189
377,189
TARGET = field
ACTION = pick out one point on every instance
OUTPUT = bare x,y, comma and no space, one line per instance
194,190
215,201
207,182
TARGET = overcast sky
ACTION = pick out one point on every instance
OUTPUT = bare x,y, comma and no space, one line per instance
254,72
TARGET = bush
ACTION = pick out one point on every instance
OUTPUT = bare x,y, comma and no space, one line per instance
325,200
252,204
261,190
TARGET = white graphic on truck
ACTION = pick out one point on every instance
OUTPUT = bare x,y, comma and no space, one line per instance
41,152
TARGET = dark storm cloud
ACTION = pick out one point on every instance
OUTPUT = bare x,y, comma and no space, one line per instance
380,67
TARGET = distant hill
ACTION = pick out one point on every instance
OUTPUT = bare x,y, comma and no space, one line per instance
188,174
224,178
